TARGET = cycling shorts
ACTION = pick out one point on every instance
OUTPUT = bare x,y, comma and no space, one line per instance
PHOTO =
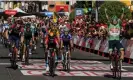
115,44
14,39
27,41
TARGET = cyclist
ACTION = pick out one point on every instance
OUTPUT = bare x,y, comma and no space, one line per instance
114,30
28,33
27,38
43,33
14,35
51,40
66,41
53,28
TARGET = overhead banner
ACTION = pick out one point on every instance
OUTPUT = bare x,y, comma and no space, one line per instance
62,8
79,11
10,12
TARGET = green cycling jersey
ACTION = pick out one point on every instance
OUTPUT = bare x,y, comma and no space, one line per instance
114,31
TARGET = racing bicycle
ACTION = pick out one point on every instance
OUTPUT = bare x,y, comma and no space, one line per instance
27,52
13,58
66,61
51,60
117,64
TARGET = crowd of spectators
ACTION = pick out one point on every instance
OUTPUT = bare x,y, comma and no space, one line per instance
85,27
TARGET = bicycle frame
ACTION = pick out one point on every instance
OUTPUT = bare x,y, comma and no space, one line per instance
14,56
116,64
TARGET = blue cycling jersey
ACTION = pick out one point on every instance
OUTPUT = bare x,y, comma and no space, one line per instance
66,37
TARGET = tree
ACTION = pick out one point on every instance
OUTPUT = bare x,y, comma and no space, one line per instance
72,16
113,8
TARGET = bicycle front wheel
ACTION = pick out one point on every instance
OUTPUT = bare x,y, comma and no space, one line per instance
27,56
14,58
52,65
68,64
119,69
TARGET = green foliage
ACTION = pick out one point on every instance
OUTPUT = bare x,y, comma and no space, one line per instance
72,16
113,8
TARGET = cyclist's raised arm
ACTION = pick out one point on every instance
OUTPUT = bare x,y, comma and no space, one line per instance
122,13
106,14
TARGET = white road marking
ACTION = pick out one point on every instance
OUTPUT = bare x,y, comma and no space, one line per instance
5,63
74,73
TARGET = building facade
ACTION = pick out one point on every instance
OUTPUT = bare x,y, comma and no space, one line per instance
34,6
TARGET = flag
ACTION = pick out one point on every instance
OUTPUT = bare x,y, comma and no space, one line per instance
54,18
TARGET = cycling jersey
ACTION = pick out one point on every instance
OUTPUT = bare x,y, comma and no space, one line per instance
14,35
114,31
27,37
15,32
66,39
28,34
56,31
51,41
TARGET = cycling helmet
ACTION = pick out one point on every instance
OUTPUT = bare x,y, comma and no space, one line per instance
66,30
28,25
114,18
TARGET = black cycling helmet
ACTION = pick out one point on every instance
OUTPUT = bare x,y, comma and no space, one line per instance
28,25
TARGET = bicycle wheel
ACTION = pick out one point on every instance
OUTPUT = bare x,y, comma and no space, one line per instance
21,52
64,62
114,66
27,56
119,62
52,64
68,63
14,58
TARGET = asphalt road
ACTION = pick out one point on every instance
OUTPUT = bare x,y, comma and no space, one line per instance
84,66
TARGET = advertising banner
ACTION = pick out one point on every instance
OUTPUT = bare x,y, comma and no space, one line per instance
79,11
62,8
10,12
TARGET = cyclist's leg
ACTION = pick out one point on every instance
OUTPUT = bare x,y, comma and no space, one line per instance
17,44
111,47
30,46
62,49
6,34
71,46
57,50
121,49
10,46
36,39
46,57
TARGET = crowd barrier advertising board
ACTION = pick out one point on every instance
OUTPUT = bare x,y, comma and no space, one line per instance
102,45
87,45
79,11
